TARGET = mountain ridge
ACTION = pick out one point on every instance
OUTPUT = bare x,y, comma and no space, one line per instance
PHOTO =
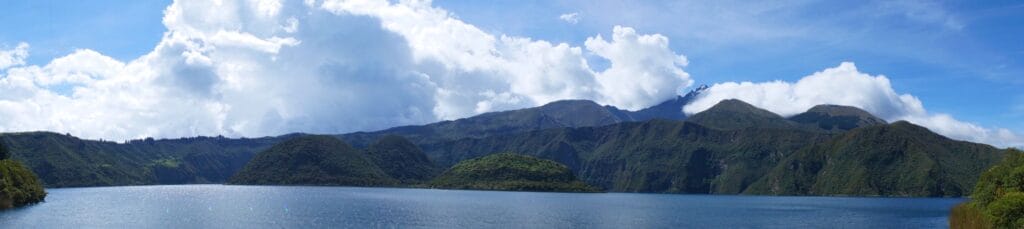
727,149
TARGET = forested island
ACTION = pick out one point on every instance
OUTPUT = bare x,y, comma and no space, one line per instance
511,172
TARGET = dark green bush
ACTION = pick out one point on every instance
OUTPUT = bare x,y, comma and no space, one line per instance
999,195
18,185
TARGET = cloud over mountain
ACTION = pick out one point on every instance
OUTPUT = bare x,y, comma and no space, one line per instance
267,67
846,85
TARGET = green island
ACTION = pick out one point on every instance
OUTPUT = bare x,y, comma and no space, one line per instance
511,172
18,185
998,199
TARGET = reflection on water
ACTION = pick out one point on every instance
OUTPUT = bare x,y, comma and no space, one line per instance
220,206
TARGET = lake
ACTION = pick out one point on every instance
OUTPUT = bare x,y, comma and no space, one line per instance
227,206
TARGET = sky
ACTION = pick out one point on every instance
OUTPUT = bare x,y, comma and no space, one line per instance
132,69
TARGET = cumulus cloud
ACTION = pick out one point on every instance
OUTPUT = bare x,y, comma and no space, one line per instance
643,69
845,85
571,18
14,56
254,68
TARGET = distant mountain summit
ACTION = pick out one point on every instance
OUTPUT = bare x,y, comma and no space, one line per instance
736,114
557,114
671,109
837,118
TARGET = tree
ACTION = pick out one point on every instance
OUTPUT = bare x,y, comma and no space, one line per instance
1008,211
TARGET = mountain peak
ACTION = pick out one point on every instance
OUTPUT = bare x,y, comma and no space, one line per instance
736,105
837,118
569,103
840,110
699,89
737,114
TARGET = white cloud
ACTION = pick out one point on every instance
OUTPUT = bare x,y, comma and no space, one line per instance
643,72
571,18
13,57
845,85
259,67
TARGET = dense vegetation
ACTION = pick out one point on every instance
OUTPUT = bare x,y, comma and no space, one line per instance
746,145
731,148
998,199
18,185
511,172
402,160
900,159
312,160
65,161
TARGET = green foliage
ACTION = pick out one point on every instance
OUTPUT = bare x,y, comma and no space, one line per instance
900,159
729,149
401,159
65,161
1000,192
1005,177
18,185
1008,210
511,172
312,160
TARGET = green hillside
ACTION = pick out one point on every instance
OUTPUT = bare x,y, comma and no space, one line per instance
18,185
402,160
311,160
65,161
900,159
653,156
511,172
747,146
731,148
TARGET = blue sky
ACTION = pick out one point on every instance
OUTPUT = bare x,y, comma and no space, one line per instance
961,58
971,69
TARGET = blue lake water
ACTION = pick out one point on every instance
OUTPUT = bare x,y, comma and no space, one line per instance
226,206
